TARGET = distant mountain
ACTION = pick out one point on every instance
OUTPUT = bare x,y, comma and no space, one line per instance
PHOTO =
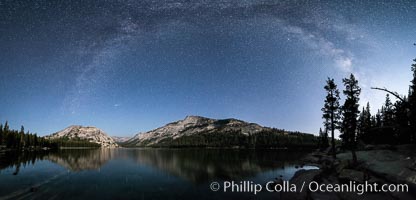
88,133
119,139
196,131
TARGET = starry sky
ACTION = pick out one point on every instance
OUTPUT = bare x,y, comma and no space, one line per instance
129,66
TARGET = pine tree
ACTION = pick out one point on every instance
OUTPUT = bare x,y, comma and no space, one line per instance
361,125
401,121
1,134
6,127
387,112
378,119
373,122
350,113
35,142
365,123
412,102
368,111
331,111
22,137
323,139
321,135
367,126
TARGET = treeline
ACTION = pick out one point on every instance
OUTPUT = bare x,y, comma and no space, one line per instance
73,142
273,138
390,125
14,139
394,123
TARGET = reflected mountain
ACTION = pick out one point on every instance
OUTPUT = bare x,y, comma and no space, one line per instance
200,165
81,159
194,165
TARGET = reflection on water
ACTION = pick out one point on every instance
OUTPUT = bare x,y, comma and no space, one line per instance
15,159
148,173
81,159
211,164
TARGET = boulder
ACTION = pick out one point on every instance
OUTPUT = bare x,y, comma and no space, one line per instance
393,166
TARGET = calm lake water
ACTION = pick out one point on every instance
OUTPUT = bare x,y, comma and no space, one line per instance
140,173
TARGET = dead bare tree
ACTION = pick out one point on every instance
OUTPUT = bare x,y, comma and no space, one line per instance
388,91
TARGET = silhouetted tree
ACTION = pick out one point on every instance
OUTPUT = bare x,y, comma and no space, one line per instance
331,111
378,119
401,121
365,124
350,113
6,126
373,121
387,112
412,102
1,134
21,137
323,139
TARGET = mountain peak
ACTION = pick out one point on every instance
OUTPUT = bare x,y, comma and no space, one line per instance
90,133
194,119
74,126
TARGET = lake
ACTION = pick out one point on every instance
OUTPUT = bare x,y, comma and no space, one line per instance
140,173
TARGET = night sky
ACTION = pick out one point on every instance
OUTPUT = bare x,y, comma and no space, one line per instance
131,66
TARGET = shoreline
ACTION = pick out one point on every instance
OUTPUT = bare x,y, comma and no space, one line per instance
381,164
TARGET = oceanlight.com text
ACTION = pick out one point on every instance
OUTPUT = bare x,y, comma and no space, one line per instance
286,186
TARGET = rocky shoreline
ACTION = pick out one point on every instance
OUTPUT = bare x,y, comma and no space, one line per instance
381,164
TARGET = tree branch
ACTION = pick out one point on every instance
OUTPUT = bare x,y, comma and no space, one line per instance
388,91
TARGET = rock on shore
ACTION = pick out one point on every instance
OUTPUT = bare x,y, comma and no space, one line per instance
379,164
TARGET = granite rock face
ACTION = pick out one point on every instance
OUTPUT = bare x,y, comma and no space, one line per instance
89,133
193,125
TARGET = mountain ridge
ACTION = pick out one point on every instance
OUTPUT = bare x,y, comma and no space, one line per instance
198,131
